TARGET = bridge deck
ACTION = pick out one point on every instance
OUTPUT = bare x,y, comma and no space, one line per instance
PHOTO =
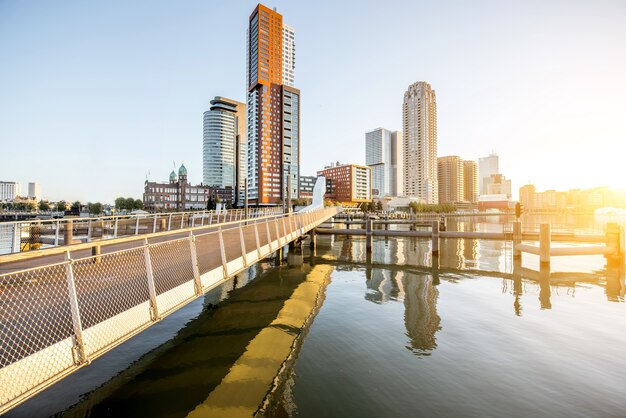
58,315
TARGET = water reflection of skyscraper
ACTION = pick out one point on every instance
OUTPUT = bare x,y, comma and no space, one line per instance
420,315
419,296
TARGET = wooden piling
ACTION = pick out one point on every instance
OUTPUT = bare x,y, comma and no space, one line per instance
544,243
435,238
368,234
517,239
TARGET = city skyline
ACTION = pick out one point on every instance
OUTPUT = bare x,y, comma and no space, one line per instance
110,106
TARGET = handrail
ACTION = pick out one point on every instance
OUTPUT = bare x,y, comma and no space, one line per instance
21,256
130,216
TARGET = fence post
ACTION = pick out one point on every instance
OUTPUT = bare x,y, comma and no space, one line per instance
222,252
16,240
269,237
182,220
193,220
284,228
78,350
243,247
56,233
154,224
89,231
203,216
137,226
194,263
277,232
115,228
169,222
154,310
210,218
256,238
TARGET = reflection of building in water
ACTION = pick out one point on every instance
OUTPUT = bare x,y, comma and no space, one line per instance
384,285
615,287
420,316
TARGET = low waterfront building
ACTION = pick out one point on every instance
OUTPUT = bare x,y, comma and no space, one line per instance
348,184
497,184
179,195
9,190
307,183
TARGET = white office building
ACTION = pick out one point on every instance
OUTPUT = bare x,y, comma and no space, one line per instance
383,154
419,122
9,190
487,167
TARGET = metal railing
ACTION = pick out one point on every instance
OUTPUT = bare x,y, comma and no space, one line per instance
21,236
58,318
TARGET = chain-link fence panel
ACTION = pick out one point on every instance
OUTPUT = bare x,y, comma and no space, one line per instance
35,329
208,251
113,299
173,273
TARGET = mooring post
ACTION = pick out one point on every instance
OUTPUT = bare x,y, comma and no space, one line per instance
95,251
313,235
435,238
613,237
68,233
517,238
368,234
544,243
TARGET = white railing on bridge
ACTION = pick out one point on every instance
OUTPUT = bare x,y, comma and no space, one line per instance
21,236
57,318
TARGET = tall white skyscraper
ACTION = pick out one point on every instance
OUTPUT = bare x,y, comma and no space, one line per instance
383,153
34,191
487,166
419,121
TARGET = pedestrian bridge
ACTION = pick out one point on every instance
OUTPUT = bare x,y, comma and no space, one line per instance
63,307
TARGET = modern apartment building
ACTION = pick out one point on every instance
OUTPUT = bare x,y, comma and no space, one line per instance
383,154
487,166
419,123
450,180
470,181
9,190
225,159
273,107
347,183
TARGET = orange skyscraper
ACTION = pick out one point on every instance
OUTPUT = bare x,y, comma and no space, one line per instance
273,109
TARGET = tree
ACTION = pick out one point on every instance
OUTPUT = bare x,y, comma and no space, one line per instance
138,204
44,205
94,208
31,206
379,206
61,206
120,203
210,204
129,203
76,206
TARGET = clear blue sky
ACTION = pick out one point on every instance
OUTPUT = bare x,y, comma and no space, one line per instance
95,94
